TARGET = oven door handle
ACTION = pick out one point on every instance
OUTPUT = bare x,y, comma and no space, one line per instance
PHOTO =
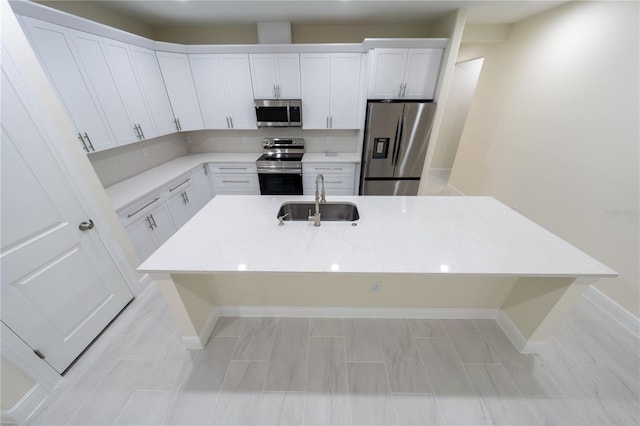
280,171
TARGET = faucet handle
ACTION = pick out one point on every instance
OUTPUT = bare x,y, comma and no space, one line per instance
281,219
322,195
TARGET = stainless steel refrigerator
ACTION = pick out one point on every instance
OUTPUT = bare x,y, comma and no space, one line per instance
395,145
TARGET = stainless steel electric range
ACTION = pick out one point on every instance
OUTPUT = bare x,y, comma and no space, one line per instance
280,167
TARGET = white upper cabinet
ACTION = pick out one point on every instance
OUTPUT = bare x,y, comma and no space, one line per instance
223,83
330,89
150,80
275,76
178,80
53,46
124,74
404,73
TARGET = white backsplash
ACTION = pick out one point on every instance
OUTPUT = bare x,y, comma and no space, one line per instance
251,140
117,164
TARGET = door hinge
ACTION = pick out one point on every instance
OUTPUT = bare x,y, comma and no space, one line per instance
40,354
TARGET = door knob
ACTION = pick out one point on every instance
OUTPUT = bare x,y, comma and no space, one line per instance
85,226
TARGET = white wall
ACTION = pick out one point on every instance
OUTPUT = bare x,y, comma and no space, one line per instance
554,129
463,87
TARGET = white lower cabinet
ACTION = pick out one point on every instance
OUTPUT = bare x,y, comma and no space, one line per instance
339,178
151,220
234,178
150,229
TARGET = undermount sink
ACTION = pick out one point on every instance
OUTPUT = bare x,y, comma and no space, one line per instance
329,211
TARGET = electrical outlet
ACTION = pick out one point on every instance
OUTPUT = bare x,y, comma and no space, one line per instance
328,140
145,152
375,287
188,139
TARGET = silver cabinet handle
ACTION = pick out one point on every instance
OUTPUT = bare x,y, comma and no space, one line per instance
235,181
84,145
85,226
149,222
89,141
141,132
178,125
184,200
333,181
153,220
179,185
278,87
232,168
186,196
404,90
231,121
206,172
228,126
275,93
327,168
331,121
143,207
400,91
327,121
137,129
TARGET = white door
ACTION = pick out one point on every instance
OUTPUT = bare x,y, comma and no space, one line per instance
239,94
387,73
345,90
178,80
421,73
288,75
124,75
316,89
60,287
150,79
53,49
209,82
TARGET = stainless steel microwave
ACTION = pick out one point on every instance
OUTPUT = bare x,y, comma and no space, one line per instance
278,112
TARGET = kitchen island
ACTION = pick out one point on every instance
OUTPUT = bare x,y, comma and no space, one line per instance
465,257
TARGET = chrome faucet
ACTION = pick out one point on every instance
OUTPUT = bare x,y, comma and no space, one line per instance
320,198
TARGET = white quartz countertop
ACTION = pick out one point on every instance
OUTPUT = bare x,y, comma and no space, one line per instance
426,235
129,190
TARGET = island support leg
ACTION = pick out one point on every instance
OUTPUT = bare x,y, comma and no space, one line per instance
192,308
535,306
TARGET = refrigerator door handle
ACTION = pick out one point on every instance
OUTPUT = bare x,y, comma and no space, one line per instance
396,142
396,153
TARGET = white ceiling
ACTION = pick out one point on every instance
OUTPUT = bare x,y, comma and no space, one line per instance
212,12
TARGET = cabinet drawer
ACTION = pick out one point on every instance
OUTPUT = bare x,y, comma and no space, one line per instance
232,168
236,184
139,208
326,168
331,181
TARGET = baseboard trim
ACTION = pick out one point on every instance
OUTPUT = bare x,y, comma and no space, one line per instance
455,190
515,337
356,312
200,341
612,309
26,407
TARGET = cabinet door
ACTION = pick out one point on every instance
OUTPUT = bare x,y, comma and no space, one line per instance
150,79
200,192
345,90
123,71
421,73
387,73
162,223
316,89
263,76
209,81
93,60
141,237
179,207
288,75
178,80
54,51
239,93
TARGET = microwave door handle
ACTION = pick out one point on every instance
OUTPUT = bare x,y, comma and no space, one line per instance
288,114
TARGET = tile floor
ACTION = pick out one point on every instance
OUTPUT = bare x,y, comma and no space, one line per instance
323,371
